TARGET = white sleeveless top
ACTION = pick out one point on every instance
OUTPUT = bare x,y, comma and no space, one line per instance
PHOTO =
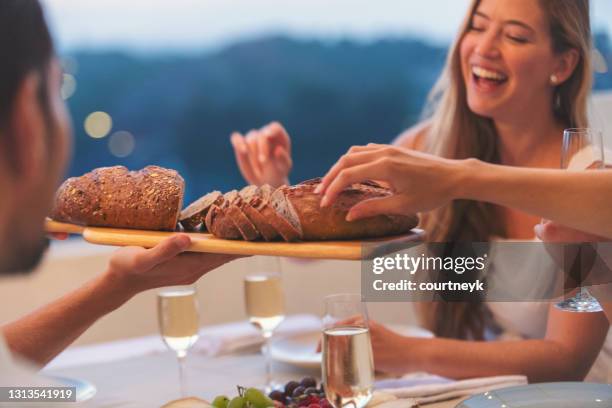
528,320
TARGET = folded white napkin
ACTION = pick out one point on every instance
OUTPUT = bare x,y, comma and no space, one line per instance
231,337
424,389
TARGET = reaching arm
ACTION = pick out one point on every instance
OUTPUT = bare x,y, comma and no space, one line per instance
422,182
578,199
570,347
44,333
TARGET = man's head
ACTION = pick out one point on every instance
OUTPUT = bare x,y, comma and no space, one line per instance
34,132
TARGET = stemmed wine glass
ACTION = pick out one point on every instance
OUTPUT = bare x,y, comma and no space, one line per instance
582,149
265,305
348,363
179,322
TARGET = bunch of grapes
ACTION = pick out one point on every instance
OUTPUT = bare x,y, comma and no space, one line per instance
247,398
303,394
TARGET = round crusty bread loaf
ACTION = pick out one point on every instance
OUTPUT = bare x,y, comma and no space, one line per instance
150,198
329,223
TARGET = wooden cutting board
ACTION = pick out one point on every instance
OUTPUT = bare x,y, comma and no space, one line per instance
343,250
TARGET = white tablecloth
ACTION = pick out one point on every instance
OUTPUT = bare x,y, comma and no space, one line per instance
141,372
152,380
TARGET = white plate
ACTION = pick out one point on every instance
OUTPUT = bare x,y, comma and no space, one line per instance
84,389
546,395
300,350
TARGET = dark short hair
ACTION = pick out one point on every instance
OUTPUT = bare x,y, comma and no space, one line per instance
25,46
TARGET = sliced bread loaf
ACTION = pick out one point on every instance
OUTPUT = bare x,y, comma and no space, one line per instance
279,215
252,197
234,211
218,222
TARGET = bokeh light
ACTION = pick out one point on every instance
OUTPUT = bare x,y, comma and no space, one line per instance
69,86
98,124
121,143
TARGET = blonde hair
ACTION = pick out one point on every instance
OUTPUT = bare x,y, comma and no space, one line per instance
457,132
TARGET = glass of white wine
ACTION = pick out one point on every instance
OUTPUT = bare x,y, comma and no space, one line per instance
179,321
348,363
265,305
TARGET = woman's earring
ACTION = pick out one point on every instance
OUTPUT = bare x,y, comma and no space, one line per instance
554,79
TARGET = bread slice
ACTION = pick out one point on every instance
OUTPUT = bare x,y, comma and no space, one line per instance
149,199
248,192
218,222
277,212
285,209
193,216
329,223
252,197
265,192
247,229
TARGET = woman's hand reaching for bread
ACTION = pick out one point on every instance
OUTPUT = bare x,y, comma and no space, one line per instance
264,155
419,181
136,269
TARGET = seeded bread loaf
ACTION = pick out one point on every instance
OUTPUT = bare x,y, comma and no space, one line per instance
330,223
150,198
193,216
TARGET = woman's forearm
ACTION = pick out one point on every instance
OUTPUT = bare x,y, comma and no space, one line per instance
44,333
539,360
579,199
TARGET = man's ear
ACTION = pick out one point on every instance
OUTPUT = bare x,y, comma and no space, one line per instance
566,64
26,132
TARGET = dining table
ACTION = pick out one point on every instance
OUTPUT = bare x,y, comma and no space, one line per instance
142,372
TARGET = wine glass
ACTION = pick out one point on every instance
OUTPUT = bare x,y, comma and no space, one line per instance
582,149
179,320
265,305
348,363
